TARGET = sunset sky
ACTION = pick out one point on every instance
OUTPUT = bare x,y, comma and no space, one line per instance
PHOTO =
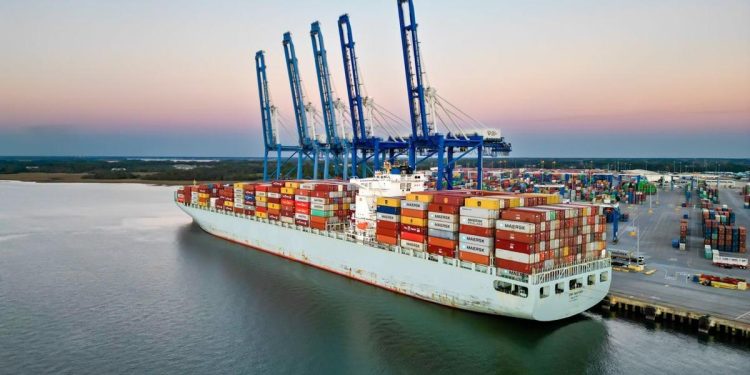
567,79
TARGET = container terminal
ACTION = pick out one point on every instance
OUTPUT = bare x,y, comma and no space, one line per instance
535,244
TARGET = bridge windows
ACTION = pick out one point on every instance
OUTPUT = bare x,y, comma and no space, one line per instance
512,289
559,288
575,284
544,292
591,279
604,276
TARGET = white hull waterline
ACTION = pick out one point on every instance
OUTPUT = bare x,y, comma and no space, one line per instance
546,296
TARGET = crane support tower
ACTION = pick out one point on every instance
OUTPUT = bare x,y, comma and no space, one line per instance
365,145
337,145
268,113
310,145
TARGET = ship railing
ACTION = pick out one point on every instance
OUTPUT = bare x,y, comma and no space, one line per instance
562,271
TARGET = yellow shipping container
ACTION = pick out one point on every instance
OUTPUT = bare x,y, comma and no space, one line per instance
263,215
239,185
261,199
420,197
413,221
203,195
565,251
291,184
288,190
274,206
490,203
509,202
388,201
228,204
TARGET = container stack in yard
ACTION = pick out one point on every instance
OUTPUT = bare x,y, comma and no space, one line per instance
719,231
683,234
521,233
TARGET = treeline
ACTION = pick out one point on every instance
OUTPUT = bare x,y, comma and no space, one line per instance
239,169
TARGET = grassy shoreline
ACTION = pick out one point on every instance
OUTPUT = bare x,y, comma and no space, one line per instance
79,178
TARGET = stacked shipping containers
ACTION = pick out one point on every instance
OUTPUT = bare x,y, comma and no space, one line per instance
302,206
388,224
414,221
261,200
476,237
443,223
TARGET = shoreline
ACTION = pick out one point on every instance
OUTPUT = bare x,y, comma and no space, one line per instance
79,178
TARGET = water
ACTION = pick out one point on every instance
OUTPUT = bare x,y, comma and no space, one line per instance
98,278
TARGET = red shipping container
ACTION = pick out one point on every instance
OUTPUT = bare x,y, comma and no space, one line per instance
386,232
305,211
444,251
450,199
303,192
519,247
519,237
273,216
238,210
475,258
386,239
274,189
387,224
413,236
520,215
413,229
476,231
261,209
250,212
278,184
303,223
444,208
315,225
513,266
302,205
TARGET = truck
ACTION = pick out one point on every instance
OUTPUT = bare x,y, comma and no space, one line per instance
628,256
727,261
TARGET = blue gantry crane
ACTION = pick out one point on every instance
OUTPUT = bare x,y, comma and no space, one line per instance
310,145
268,113
425,140
365,145
337,150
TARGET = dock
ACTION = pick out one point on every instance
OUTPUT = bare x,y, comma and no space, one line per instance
667,293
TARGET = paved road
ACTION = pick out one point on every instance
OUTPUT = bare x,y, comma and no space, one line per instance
658,226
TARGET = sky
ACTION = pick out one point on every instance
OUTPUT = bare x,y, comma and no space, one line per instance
603,78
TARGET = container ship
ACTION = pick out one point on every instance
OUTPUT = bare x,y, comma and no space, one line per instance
522,255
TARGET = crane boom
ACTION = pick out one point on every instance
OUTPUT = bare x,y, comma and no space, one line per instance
269,135
353,86
324,84
298,98
413,69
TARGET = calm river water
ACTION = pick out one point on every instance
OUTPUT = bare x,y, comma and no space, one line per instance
107,278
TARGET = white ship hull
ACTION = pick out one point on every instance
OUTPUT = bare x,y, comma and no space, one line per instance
436,279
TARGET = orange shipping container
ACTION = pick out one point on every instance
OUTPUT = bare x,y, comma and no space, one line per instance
386,239
442,242
422,214
475,258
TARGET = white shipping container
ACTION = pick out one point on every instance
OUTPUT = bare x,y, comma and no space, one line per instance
441,225
324,207
274,195
301,198
406,244
300,216
261,193
286,219
516,226
477,222
479,212
414,205
239,204
261,204
212,202
388,217
439,216
516,256
474,248
444,234
477,240
307,185
314,200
